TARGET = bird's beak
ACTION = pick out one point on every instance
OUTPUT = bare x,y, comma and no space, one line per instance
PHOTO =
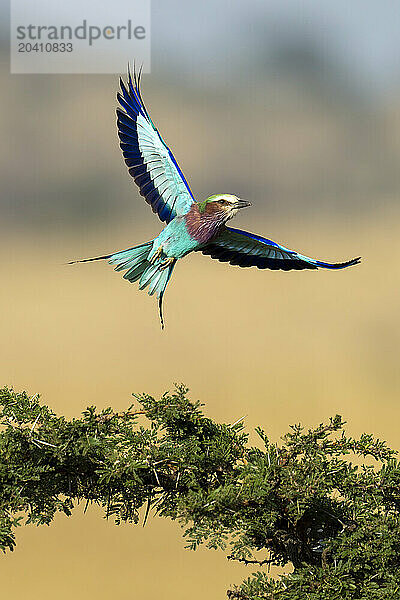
242,204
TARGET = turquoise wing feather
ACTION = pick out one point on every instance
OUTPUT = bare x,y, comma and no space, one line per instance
246,249
148,158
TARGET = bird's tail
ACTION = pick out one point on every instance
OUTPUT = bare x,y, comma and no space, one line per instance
135,261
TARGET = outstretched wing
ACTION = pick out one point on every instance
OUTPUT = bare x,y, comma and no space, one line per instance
149,160
249,250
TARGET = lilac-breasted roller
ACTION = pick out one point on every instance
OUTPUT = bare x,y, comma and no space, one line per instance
190,225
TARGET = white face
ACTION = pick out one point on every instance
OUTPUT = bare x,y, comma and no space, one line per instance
227,205
229,202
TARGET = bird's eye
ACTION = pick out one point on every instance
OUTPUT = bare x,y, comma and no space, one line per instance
223,202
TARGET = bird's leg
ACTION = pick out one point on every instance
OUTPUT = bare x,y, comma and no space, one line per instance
157,254
167,263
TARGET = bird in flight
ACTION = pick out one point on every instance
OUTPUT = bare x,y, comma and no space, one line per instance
190,225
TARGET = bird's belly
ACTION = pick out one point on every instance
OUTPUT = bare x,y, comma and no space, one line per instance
178,247
175,240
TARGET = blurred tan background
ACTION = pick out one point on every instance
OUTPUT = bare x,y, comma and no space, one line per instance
293,107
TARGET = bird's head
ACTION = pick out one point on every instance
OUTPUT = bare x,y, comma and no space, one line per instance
225,206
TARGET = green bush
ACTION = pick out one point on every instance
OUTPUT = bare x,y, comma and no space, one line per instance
301,503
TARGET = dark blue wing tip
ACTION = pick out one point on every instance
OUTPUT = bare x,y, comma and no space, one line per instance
130,95
343,265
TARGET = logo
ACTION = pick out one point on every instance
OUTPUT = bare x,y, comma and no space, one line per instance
81,36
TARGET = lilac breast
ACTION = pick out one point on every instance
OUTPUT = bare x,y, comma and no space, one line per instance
203,226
